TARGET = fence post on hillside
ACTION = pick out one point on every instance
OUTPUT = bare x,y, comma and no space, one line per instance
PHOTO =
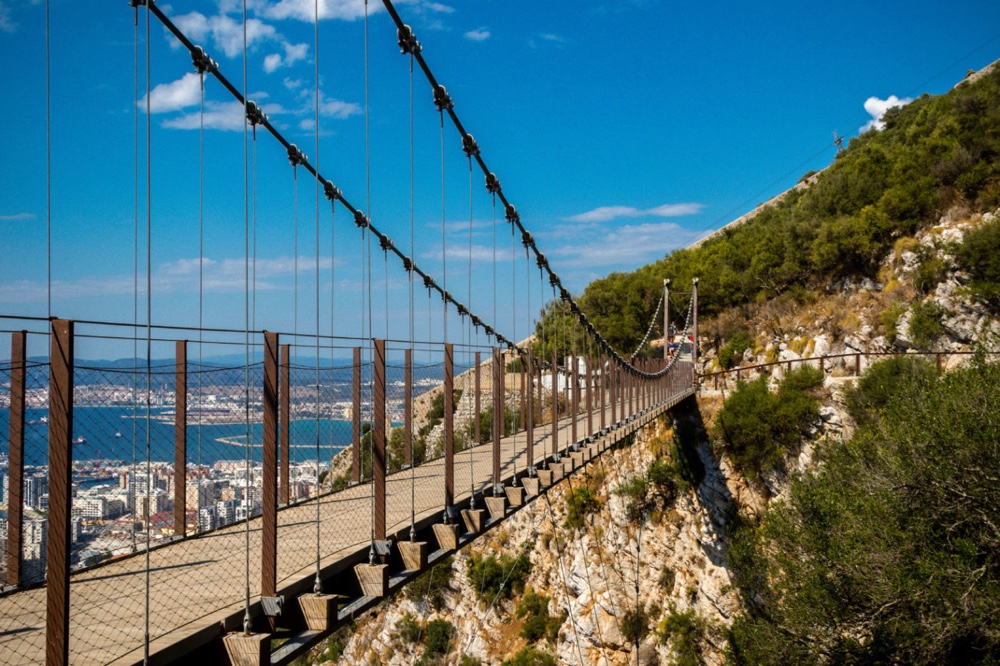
284,423
180,438
60,493
499,416
356,419
408,406
476,436
15,483
857,365
449,432
378,442
269,478
937,358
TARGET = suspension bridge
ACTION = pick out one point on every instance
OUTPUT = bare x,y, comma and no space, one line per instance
191,507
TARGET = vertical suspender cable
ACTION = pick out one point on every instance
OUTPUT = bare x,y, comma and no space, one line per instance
413,253
48,163
248,506
135,278
369,342
317,583
470,355
513,334
201,270
149,335
529,380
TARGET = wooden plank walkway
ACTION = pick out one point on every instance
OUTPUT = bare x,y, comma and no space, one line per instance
198,582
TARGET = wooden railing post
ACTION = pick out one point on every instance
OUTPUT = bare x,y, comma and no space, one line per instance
408,406
476,436
15,472
555,405
180,439
356,419
60,493
378,441
499,416
612,383
604,388
285,423
575,399
857,365
530,425
269,461
590,398
449,431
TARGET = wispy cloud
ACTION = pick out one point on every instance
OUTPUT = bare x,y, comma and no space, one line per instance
7,23
293,53
226,32
608,213
548,39
876,108
478,35
627,247
227,116
17,217
305,10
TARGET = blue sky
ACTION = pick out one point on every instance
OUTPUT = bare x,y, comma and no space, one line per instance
620,130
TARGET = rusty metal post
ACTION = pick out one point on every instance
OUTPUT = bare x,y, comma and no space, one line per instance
476,437
449,430
857,365
15,472
269,463
180,438
604,387
530,426
408,406
612,381
285,422
378,441
499,416
60,493
938,360
574,394
356,419
555,404
523,411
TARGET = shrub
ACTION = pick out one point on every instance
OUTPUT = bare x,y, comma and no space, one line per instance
925,324
883,380
469,660
667,579
497,577
538,623
732,353
580,503
408,628
438,637
530,656
634,624
759,427
635,491
890,319
978,255
683,632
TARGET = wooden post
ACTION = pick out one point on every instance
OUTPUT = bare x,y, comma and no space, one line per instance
530,426
612,381
499,416
60,493
857,365
476,437
666,319
180,439
555,405
269,491
408,406
590,398
694,333
574,394
449,429
356,419
378,435
285,422
15,478
604,386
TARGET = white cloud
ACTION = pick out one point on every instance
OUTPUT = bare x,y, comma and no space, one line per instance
335,108
174,96
218,115
17,217
292,84
305,10
608,213
478,35
437,7
628,246
225,31
876,108
293,53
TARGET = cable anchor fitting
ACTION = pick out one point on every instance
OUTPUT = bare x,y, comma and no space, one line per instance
408,40
554,279
469,145
541,261
511,214
254,115
385,243
408,265
360,221
295,156
201,61
332,192
492,183
429,282
526,239
442,100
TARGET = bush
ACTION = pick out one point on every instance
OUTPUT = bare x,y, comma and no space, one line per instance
925,324
760,427
884,380
433,585
634,624
683,632
667,579
979,256
438,637
888,553
538,623
580,503
732,354
408,628
497,577
635,491
530,656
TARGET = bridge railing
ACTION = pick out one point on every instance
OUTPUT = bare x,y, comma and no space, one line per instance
276,440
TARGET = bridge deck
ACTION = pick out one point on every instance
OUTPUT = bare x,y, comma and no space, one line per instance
199,581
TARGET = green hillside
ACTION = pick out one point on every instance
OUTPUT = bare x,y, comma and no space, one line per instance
935,154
